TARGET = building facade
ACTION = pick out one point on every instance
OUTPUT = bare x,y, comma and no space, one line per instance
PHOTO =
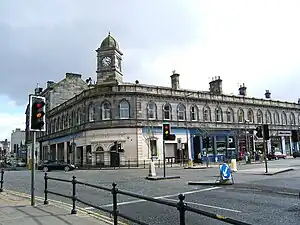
55,94
17,142
84,127
4,149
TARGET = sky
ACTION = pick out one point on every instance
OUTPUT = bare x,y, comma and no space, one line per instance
253,42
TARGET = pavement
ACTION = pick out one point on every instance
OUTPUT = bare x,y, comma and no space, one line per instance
254,198
15,209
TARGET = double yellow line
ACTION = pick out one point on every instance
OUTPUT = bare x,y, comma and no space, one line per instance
60,204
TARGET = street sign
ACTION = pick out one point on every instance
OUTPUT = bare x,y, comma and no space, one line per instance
225,171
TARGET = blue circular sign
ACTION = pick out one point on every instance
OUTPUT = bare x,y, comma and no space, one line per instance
225,171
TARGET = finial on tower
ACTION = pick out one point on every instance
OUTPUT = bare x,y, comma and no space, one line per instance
108,33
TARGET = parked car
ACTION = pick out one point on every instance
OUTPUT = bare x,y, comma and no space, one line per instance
296,154
55,165
276,155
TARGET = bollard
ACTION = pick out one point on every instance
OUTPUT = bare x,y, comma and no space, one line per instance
74,211
114,192
46,190
1,181
181,209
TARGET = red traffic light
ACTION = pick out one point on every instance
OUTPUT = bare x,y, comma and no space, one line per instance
39,105
166,127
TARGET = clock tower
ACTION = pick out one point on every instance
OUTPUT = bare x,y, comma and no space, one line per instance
109,62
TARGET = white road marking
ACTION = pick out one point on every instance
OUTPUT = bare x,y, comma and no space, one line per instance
165,196
207,206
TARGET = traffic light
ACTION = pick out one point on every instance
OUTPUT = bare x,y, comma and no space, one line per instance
115,146
119,147
259,132
206,142
37,113
266,132
166,131
167,136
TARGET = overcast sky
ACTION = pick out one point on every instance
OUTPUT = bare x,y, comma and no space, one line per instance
252,42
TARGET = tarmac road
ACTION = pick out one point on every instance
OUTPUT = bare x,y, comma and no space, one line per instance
249,200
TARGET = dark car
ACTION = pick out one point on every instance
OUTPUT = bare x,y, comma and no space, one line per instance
296,154
276,155
55,165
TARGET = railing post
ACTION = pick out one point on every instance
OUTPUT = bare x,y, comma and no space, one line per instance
144,163
181,209
74,211
1,181
114,192
46,190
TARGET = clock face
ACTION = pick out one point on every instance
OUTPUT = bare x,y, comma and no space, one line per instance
106,61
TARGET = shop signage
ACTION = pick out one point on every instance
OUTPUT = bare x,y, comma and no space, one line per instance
284,133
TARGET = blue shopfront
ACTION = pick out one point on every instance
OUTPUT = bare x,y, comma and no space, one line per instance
221,145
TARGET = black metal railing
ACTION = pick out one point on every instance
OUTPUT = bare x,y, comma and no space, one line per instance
181,206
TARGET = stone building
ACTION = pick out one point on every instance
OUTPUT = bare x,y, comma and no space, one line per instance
55,94
132,114
17,139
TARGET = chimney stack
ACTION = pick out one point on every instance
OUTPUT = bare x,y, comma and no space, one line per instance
215,86
243,90
268,94
175,80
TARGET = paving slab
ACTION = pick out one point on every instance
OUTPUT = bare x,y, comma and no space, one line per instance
15,210
261,171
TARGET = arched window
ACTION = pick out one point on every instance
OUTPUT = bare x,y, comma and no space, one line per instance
206,114
241,116
284,118
167,111
218,114
276,118
78,117
124,110
250,116
292,119
99,156
259,117
62,122
91,113
194,113
151,111
58,124
66,121
180,112
268,117
106,111
230,115
73,118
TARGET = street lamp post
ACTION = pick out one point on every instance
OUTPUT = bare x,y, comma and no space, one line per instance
186,127
246,142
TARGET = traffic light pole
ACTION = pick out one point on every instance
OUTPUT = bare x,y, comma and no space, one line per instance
33,169
265,155
164,157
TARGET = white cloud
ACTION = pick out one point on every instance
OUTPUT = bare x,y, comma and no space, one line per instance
252,42
12,116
